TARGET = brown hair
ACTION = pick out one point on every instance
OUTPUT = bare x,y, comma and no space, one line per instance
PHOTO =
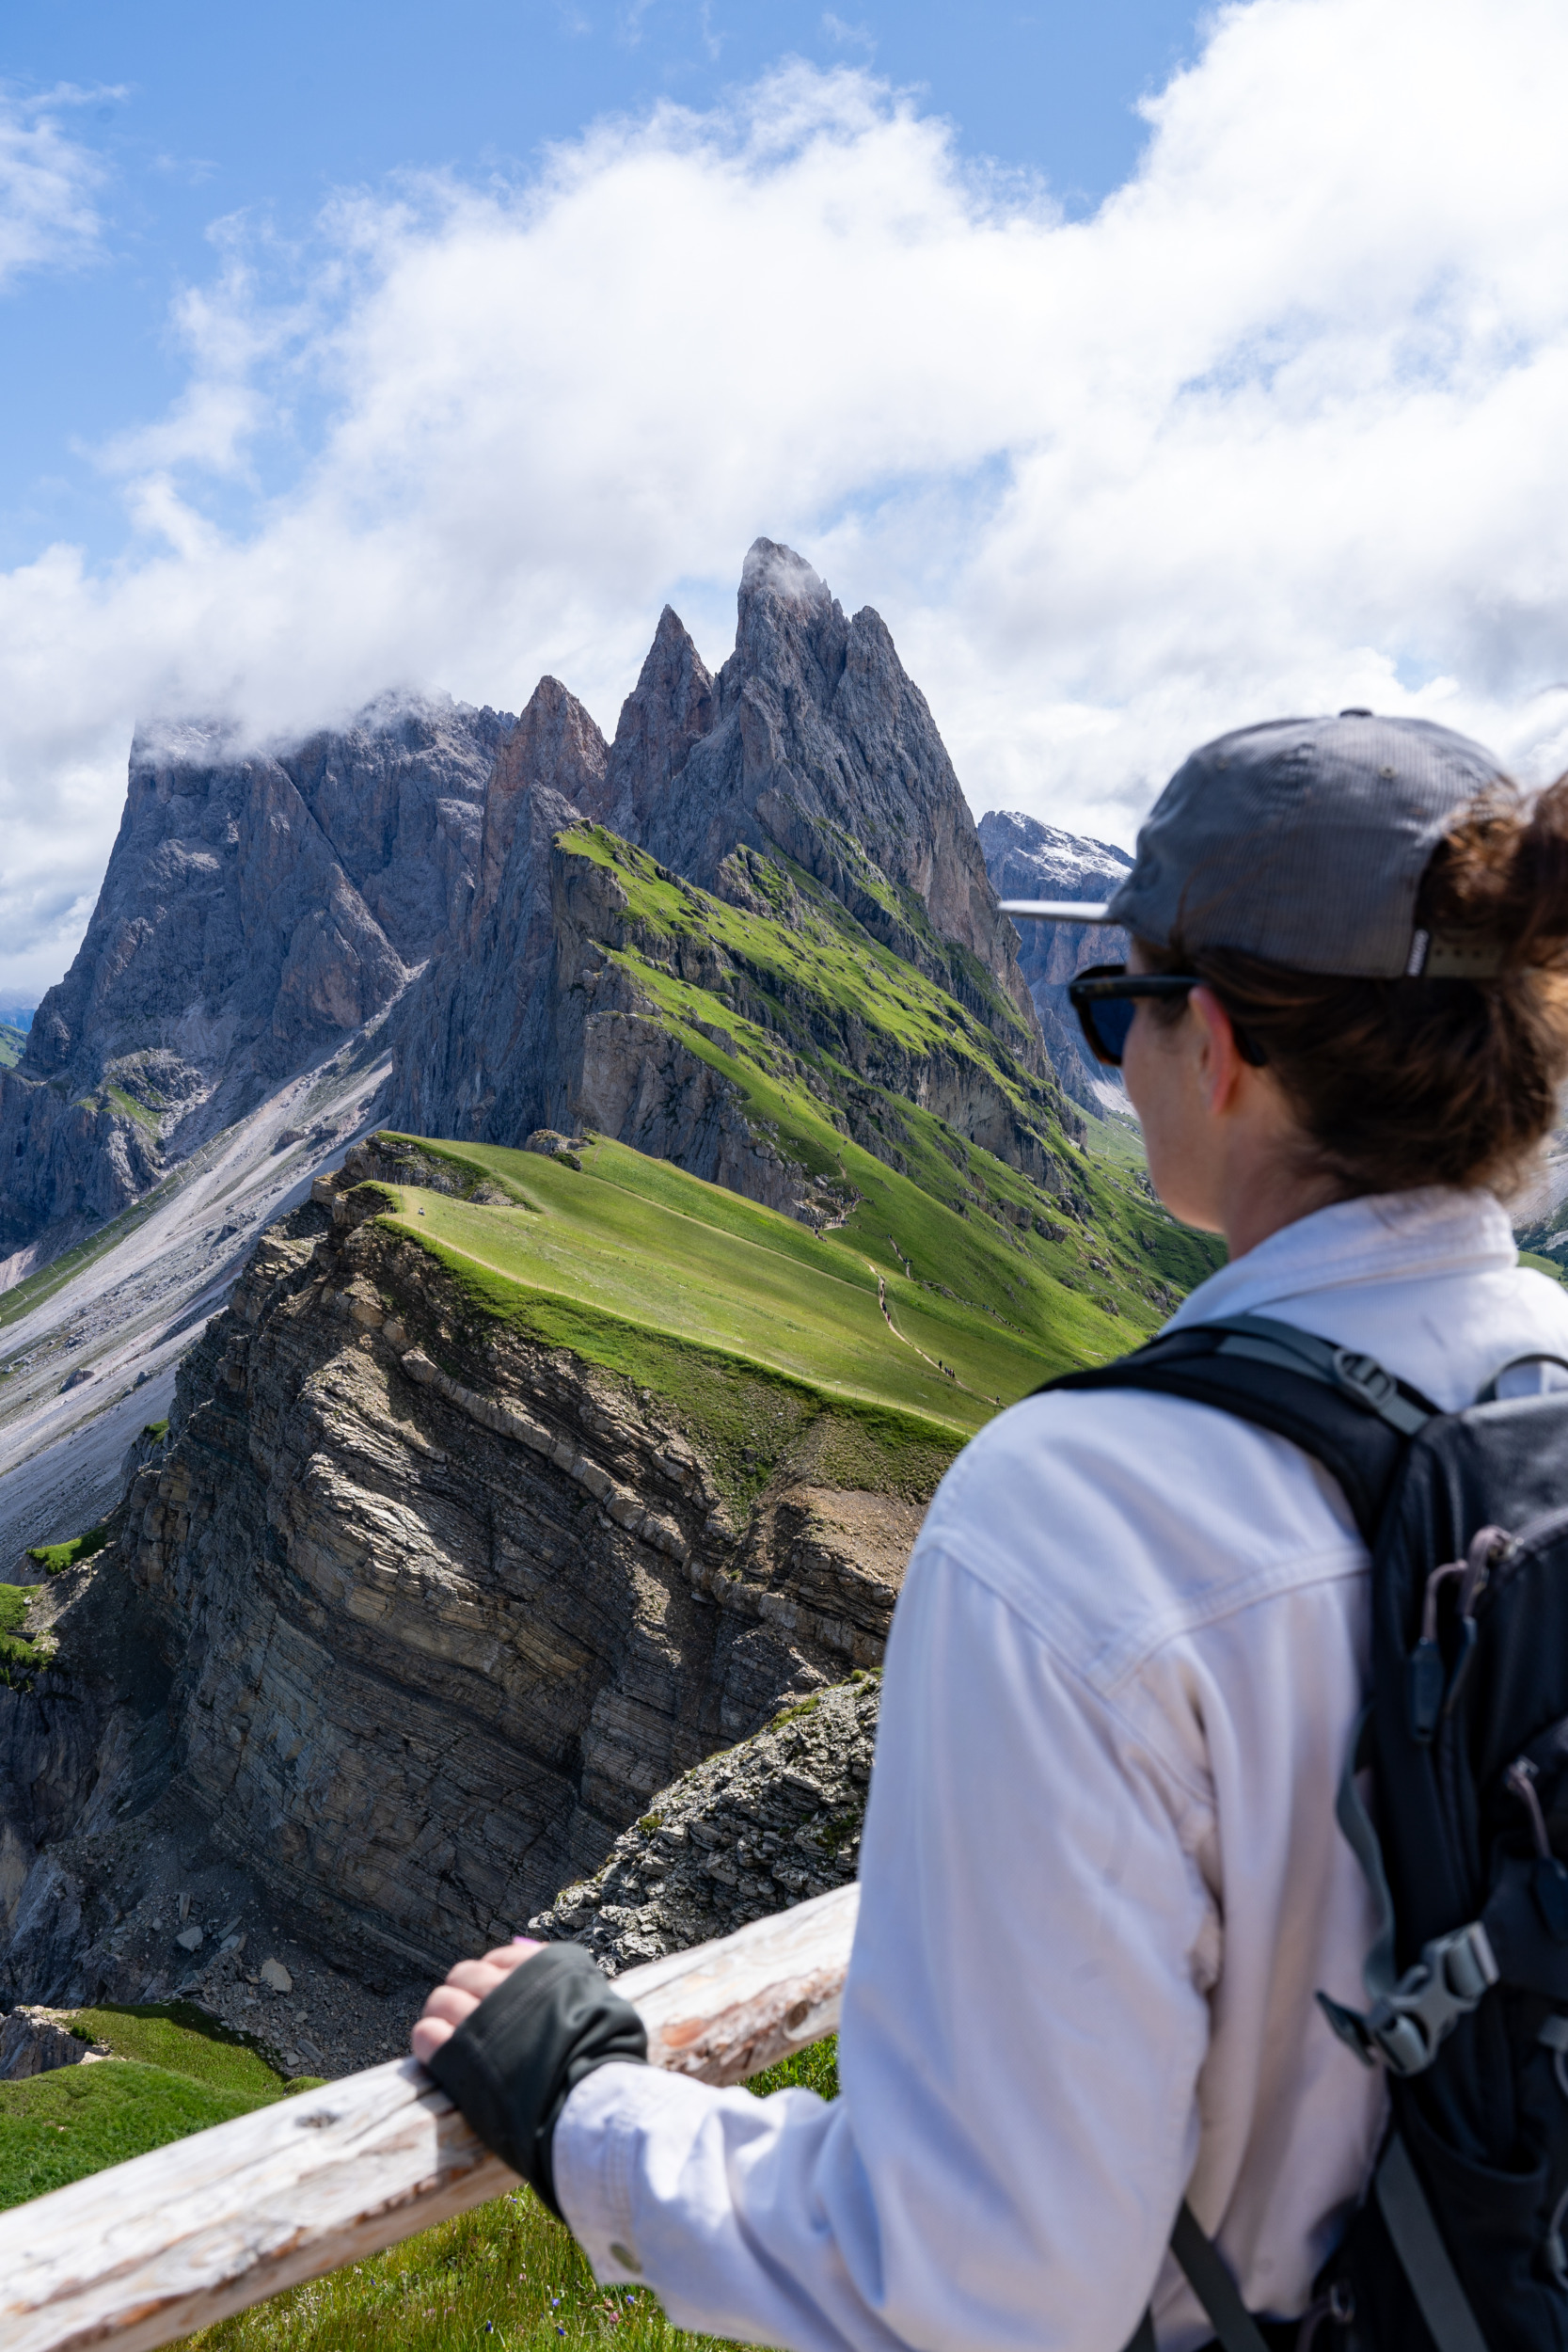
1406,1082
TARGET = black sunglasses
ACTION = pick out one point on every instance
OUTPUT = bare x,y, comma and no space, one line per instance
1105,997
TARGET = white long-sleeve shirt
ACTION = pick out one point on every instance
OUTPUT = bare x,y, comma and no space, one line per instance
1101,1874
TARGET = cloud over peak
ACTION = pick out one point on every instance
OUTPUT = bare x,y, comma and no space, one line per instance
1278,428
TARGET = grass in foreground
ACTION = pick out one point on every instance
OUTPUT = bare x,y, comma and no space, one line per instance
507,2276
57,2127
181,2072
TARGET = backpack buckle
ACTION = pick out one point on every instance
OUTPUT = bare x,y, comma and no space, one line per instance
1453,1973
1363,1379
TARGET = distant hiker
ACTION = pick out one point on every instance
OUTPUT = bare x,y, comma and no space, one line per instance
1103,1884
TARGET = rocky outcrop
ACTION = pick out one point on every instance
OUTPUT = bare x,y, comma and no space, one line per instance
769,1822
1027,859
256,911
407,1619
36,2041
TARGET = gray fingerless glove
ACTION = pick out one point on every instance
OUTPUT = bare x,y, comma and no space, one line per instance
514,2063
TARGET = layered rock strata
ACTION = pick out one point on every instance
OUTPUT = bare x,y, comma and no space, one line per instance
406,1620
257,908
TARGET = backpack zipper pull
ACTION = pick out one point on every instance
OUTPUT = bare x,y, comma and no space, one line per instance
1424,1675
1549,1879
1488,1550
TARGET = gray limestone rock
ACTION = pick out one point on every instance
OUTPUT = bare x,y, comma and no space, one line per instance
36,2041
407,1620
768,1823
256,911
1027,859
813,743
822,746
668,711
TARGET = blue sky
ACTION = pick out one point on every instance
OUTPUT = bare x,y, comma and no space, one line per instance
1150,372
203,115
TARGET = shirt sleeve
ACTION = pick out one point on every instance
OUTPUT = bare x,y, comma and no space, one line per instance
1025,2022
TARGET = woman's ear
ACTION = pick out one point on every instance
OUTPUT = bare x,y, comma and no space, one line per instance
1221,1066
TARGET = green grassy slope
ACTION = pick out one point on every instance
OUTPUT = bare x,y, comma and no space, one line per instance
12,1042
796,1006
758,1329
18,1655
181,2072
56,2127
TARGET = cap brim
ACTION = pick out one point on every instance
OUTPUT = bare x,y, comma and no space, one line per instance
1058,910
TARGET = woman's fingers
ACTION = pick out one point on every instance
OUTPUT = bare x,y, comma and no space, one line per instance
450,2002
478,1976
428,2036
509,1956
467,1985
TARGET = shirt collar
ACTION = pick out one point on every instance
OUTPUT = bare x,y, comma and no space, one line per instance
1381,1237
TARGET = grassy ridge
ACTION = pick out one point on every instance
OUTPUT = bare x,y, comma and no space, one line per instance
767,1338
52,1558
792,1007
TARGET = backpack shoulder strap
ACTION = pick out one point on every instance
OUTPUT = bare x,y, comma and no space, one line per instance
1356,1419
1339,1407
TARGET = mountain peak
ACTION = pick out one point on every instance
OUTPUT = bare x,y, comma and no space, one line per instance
772,569
670,708
814,741
556,746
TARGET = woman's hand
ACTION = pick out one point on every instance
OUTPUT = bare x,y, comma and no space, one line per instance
465,1986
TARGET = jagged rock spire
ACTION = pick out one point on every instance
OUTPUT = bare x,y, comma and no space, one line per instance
669,709
820,745
555,747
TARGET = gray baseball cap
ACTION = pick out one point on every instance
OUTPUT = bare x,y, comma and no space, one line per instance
1302,841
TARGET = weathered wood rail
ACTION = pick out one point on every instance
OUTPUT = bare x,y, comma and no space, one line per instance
146,2251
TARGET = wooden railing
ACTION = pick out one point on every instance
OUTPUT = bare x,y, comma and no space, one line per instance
135,2256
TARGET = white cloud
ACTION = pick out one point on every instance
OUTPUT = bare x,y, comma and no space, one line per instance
1279,428
48,184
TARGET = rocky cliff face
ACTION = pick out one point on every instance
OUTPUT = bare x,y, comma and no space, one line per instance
769,1822
574,1025
1027,859
812,748
812,741
407,1619
255,912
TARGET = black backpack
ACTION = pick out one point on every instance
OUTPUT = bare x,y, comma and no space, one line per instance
1460,2244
